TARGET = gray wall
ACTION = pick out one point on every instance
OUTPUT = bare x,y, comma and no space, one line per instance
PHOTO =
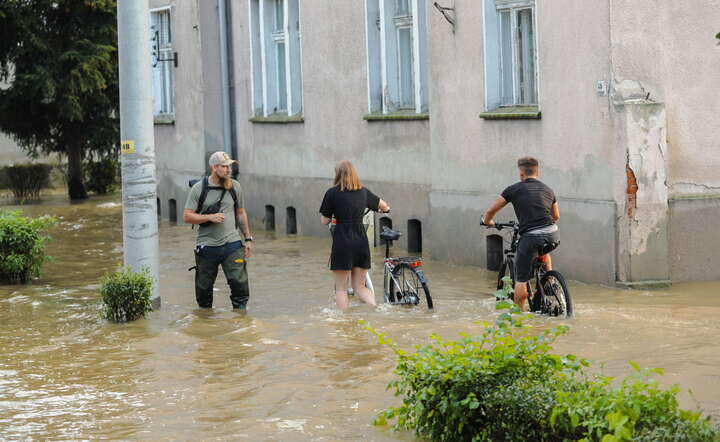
446,170
181,147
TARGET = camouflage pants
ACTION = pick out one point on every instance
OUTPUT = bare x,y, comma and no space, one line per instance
232,259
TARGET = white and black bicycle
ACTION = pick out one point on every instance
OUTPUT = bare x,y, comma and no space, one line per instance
404,281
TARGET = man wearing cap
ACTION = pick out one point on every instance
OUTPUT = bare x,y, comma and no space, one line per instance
220,214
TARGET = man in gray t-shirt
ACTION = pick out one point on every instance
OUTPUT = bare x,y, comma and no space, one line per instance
218,242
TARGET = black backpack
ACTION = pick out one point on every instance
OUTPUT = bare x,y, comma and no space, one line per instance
203,194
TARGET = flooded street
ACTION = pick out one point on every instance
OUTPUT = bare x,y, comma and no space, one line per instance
293,367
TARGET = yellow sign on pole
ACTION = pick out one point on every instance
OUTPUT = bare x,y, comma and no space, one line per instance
127,147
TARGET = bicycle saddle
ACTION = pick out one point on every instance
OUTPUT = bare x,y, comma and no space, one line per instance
389,235
548,247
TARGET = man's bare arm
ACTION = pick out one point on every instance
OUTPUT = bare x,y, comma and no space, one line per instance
555,211
192,217
243,222
494,208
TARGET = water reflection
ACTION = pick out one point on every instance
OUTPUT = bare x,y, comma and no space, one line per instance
293,367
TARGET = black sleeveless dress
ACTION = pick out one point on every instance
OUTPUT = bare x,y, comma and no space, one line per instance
350,246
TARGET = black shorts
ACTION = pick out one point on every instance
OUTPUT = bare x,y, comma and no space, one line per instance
528,248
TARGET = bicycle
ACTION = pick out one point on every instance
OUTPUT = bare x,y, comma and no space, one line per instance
551,295
403,280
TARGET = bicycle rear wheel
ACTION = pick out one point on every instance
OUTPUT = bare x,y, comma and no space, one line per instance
407,286
507,268
557,300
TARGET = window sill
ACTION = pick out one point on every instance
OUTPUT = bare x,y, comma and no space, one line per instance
512,113
164,119
278,119
397,116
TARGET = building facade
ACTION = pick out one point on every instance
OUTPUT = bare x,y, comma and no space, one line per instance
434,104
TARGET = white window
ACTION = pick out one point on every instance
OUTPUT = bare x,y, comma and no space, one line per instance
162,62
510,54
396,32
275,57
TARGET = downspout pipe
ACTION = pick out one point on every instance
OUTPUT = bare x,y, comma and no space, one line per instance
225,77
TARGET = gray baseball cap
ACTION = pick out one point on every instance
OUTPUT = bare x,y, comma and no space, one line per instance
220,158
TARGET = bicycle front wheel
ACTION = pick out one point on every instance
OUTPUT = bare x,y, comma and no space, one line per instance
408,285
557,300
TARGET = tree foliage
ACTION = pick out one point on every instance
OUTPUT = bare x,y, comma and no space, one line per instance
59,58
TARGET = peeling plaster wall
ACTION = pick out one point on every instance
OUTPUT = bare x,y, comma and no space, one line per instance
669,47
642,224
666,52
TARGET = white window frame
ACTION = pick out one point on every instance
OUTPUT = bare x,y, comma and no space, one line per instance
163,82
494,75
383,27
272,94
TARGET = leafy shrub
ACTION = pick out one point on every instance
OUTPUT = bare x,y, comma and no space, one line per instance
26,180
102,176
638,409
126,295
506,385
21,246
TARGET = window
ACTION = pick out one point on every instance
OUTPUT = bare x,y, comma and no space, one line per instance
275,57
162,56
396,33
510,54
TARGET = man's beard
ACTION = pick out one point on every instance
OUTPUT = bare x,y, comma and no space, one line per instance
225,182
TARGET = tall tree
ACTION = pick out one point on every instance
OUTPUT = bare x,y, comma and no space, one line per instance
59,58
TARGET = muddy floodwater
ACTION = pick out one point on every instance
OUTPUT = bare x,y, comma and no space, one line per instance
293,367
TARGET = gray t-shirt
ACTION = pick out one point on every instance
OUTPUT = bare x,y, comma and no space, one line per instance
216,234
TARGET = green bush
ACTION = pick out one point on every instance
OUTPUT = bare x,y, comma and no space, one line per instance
102,176
126,295
506,385
26,180
21,246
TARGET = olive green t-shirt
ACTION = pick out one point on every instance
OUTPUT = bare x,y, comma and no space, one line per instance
216,234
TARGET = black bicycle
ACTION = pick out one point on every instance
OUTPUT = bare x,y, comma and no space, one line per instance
551,295
403,280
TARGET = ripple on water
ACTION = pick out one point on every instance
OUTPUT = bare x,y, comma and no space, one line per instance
16,299
110,205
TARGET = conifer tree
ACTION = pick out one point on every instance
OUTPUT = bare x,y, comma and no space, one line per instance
59,60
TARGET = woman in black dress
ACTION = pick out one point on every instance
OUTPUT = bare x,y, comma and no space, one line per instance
350,256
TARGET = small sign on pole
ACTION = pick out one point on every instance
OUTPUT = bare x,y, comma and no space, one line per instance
127,147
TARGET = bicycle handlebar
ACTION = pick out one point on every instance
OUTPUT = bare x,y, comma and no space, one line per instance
500,226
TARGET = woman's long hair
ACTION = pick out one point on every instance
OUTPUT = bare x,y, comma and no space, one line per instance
346,177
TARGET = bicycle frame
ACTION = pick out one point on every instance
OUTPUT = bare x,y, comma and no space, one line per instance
389,269
538,268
